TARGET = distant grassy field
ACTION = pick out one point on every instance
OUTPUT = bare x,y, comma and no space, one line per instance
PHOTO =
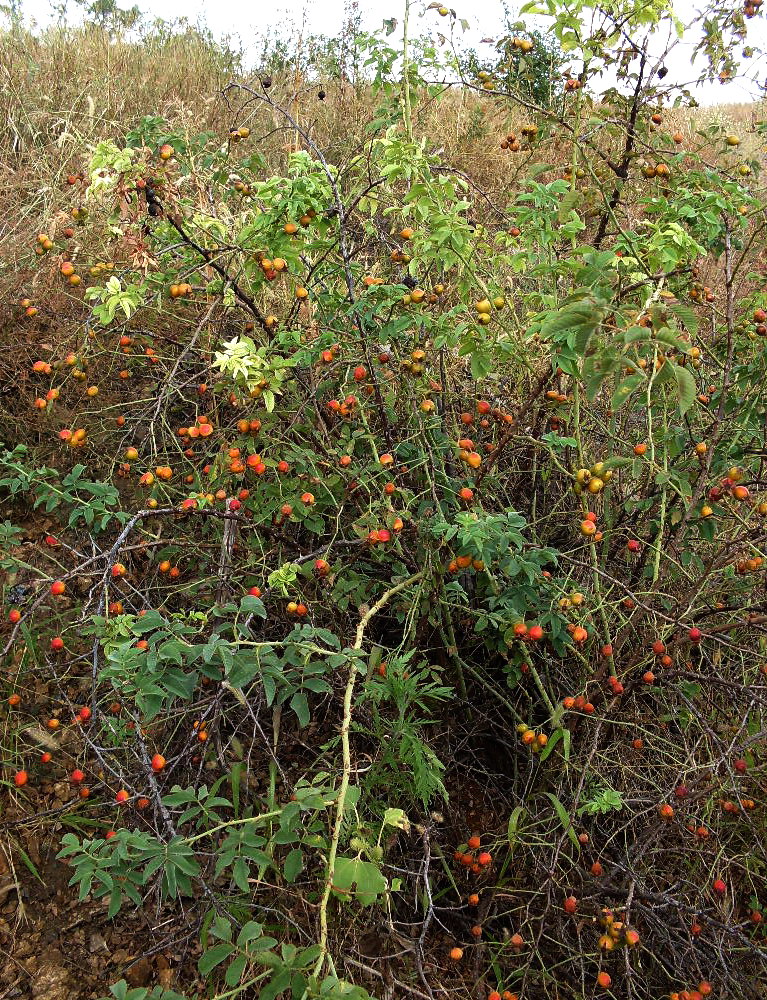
66,89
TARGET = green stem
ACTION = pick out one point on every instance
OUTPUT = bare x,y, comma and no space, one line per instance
233,822
242,987
406,106
448,637
347,762
541,689
663,503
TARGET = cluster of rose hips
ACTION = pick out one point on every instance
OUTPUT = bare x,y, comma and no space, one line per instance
30,309
730,485
750,565
729,806
573,600
705,989
531,633
592,480
415,365
760,322
174,572
578,633
57,589
67,270
347,408
588,526
511,142
271,268
81,718
650,170
380,536
616,932
473,858
485,80
616,687
238,134
487,411
74,438
578,704
465,562
297,608
329,354
558,398
532,739
418,296
484,309
467,454
701,293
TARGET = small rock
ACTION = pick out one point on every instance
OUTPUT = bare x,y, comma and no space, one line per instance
165,974
96,942
51,982
23,948
139,973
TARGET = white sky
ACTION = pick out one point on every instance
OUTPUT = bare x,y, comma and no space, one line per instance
245,21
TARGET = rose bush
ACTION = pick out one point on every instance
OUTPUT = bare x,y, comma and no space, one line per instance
404,559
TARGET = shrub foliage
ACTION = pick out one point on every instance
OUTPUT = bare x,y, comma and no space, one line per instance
397,545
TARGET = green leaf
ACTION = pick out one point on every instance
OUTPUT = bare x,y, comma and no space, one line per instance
115,902
573,323
277,985
553,740
249,932
564,819
669,337
516,815
235,970
365,875
300,706
222,928
214,956
686,387
481,364
396,817
293,864
253,605
687,317
235,779
569,202
625,388
240,874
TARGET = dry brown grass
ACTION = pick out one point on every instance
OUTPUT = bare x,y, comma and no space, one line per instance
67,88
